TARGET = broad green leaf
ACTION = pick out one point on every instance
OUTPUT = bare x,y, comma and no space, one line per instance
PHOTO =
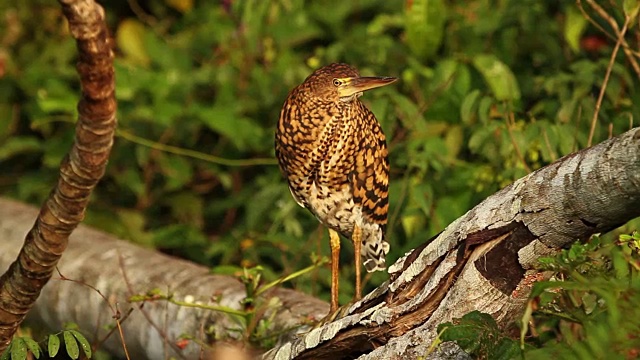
6,355
478,333
53,345
484,109
33,347
71,345
443,75
177,170
424,26
241,131
86,347
631,8
18,349
454,140
411,223
574,26
498,76
17,145
469,107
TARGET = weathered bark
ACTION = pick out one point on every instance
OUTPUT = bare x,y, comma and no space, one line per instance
484,260
119,270
79,172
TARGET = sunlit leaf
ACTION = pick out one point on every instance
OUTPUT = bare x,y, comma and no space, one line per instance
468,110
71,344
425,26
18,145
574,25
18,349
84,343
454,140
33,347
498,76
130,39
631,8
53,345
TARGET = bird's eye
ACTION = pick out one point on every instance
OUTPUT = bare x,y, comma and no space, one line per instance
337,82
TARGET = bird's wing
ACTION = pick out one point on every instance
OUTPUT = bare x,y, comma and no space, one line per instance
284,152
370,178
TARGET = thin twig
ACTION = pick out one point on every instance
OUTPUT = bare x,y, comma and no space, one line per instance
116,312
510,120
574,146
163,334
594,120
630,53
552,153
194,154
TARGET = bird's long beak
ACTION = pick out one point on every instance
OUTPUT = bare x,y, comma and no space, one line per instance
359,84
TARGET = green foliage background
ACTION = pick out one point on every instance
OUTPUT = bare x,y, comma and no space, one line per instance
489,91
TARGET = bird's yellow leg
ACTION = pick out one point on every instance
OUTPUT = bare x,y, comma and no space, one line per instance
356,237
335,262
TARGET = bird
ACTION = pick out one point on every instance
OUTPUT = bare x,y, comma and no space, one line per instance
333,153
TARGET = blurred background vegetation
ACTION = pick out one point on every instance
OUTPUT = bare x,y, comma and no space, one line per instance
490,90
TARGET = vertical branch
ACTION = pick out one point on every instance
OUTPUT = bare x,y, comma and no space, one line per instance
80,170
603,88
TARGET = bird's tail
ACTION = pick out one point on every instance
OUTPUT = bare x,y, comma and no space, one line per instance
374,251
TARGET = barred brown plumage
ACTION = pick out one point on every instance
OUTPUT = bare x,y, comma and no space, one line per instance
333,153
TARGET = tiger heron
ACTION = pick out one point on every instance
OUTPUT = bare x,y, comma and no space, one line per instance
333,153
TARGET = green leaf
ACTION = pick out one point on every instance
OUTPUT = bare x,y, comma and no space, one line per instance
224,120
454,140
130,39
6,355
86,347
484,109
477,333
18,349
71,344
574,26
53,345
33,347
469,107
425,26
177,170
17,145
631,8
498,76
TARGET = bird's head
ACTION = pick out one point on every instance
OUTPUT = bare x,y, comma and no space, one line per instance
342,83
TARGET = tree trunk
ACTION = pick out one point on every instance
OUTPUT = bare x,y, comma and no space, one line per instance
119,270
485,259
79,172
